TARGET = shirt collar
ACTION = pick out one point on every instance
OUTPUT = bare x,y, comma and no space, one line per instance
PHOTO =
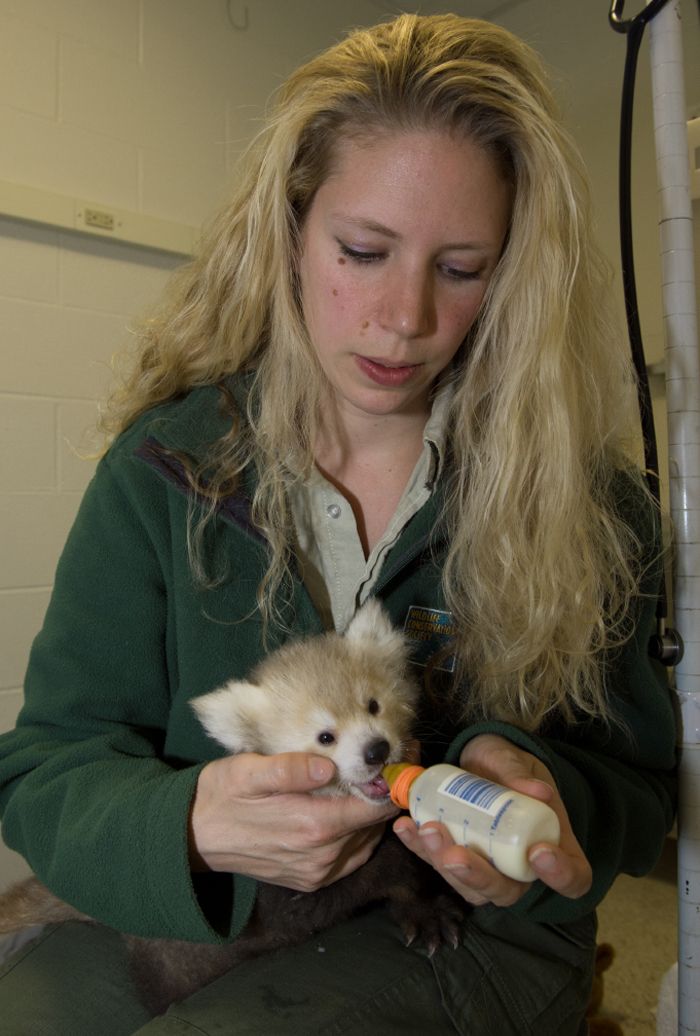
435,431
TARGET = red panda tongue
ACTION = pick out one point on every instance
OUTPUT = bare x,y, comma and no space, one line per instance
377,788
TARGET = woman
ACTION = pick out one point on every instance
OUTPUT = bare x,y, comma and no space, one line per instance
389,372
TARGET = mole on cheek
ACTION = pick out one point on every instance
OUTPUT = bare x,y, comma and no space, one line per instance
341,261
335,291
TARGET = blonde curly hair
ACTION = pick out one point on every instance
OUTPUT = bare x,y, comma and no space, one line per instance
541,568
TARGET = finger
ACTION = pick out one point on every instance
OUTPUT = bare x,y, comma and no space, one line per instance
568,874
477,880
535,788
258,776
513,767
356,852
473,875
329,863
500,760
565,867
466,871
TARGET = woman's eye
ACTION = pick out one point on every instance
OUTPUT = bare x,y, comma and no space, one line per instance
456,274
358,256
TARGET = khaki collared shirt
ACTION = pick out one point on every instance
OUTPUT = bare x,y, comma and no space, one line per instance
333,565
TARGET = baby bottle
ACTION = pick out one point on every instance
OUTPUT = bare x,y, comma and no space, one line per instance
497,822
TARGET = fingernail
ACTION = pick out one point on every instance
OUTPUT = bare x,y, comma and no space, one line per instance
320,769
457,868
544,858
432,838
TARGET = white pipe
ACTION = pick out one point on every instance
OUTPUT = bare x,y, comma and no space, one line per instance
683,405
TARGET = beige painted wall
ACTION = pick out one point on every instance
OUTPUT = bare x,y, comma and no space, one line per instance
139,104
144,105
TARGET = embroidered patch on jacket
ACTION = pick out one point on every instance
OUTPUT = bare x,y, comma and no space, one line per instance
430,631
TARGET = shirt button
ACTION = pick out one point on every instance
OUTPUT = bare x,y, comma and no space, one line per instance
333,511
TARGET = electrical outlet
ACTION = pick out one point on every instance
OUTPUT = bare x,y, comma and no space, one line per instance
99,219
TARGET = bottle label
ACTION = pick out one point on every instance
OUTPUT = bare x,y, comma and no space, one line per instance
477,792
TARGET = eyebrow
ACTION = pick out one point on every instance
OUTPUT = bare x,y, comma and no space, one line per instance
380,228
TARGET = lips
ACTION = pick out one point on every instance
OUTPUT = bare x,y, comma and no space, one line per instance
389,375
377,788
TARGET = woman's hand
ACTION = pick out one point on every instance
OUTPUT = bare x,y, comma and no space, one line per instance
252,814
564,868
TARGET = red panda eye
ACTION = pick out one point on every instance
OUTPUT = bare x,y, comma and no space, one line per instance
325,738
373,707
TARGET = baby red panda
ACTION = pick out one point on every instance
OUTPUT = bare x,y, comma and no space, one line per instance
348,697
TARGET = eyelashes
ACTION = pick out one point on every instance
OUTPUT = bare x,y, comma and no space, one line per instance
453,274
364,258
359,256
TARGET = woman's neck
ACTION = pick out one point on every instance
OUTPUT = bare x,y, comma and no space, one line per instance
347,436
369,460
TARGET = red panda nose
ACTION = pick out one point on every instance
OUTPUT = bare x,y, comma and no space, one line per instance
376,752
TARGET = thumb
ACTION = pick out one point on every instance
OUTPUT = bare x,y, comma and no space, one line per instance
501,761
284,774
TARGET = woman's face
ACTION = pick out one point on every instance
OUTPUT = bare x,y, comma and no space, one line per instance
398,247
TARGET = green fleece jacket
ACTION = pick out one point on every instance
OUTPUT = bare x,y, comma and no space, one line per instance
97,779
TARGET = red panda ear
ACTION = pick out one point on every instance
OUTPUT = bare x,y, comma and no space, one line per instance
231,715
372,625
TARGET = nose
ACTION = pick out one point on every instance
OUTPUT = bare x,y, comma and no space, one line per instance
408,306
376,751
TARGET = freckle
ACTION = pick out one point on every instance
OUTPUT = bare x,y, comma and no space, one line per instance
341,261
335,291
365,325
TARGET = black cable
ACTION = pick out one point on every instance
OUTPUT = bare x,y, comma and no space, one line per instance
651,458
644,16
634,29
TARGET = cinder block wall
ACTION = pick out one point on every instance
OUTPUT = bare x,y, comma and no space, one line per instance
142,105
64,306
